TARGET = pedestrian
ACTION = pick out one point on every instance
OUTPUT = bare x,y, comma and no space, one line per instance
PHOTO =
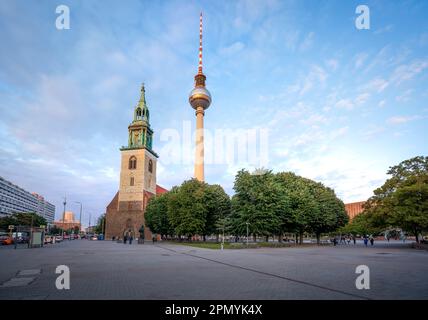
125,238
366,240
348,239
371,240
334,241
130,239
354,239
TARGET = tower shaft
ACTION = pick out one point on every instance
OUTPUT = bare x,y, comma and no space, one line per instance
199,150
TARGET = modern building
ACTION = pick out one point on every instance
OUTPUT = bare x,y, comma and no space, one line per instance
354,208
15,199
45,209
125,213
68,222
200,100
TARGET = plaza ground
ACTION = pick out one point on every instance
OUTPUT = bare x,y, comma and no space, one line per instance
110,270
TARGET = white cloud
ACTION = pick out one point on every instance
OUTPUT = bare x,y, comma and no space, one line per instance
345,104
406,72
402,119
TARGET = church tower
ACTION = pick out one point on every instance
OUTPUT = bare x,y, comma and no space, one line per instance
125,213
138,160
200,100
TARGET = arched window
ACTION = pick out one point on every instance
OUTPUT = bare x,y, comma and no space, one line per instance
133,163
138,114
150,166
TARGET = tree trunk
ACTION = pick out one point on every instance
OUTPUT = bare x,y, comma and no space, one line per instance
254,238
301,237
318,238
205,238
267,238
280,237
297,238
416,235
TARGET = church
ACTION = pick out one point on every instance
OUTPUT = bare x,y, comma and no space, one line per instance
125,213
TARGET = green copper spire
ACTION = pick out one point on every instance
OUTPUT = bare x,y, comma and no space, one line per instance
141,112
140,135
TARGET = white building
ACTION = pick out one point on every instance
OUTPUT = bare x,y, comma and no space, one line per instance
15,199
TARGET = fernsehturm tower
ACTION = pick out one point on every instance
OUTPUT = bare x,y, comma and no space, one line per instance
200,99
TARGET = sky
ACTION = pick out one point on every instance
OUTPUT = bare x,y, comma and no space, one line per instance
325,100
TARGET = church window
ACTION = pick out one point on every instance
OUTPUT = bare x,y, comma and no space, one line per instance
150,166
132,163
138,114
132,181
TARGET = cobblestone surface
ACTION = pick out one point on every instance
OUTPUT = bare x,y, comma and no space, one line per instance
110,270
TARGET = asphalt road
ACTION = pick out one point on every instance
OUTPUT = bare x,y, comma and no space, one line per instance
110,270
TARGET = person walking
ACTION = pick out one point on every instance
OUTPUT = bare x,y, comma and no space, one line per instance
371,240
125,238
130,239
354,239
366,240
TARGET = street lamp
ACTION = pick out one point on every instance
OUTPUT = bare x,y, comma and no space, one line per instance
247,223
80,217
63,216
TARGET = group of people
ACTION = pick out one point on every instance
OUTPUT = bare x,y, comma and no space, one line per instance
347,240
366,239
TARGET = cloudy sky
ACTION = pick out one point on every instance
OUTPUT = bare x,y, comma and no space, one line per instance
340,105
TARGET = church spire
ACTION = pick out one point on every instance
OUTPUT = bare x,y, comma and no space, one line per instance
141,110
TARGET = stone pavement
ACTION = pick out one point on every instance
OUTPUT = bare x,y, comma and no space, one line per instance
110,270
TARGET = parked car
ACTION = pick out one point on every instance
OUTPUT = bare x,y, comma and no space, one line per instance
6,240
58,238
48,239
94,238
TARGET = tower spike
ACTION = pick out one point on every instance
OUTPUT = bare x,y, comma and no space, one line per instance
200,45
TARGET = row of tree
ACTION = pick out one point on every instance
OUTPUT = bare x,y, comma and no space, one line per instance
401,202
22,219
264,203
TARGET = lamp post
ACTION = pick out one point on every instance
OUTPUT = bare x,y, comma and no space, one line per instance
80,217
247,223
63,216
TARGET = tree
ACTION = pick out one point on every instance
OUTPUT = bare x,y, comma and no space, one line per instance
402,201
328,212
23,219
257,201
218,207
99,228
187,211
156,215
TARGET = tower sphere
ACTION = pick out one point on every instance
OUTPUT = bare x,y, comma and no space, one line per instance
200,97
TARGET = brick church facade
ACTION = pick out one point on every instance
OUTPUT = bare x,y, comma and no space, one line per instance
125,213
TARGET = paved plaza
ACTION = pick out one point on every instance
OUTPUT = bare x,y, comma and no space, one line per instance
110,270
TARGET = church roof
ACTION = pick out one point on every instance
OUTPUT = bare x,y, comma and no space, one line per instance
160,190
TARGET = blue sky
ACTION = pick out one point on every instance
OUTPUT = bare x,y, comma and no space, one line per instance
340,104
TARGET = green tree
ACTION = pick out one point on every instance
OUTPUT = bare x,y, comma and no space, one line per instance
402,201
156,215
99,228
23,219
218,205
257,201
187,211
